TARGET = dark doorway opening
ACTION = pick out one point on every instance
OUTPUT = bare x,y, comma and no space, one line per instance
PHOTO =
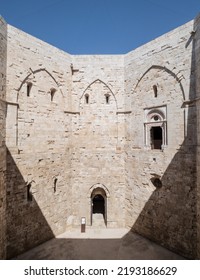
156,137
98,205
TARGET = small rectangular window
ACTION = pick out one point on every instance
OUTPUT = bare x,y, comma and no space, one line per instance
29,85
87,99
52,92
29,193
107,98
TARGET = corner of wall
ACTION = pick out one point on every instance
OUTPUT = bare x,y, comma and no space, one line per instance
3,59
196,57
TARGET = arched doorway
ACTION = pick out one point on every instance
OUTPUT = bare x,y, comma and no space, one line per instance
99,206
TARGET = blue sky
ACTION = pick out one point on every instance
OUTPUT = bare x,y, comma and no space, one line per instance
98,26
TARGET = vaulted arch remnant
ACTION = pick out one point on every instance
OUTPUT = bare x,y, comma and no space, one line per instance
98,122
106,91
163,69
34,76
41,109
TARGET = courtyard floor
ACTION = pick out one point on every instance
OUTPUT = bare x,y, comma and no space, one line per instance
99,244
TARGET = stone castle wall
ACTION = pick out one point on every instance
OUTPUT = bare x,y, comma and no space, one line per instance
38,141
79,125
98,136
3,47
196,58
161,83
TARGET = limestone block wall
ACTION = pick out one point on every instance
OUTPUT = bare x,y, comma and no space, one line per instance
3,56
121,126
38,141
196,57
98,136
159,92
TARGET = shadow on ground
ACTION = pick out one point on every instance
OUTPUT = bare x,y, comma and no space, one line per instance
86,247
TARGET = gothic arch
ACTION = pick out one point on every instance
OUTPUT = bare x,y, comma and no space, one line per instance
98,186
163,68
98,80
32,73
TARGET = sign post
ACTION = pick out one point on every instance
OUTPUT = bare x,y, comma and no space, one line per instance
83,224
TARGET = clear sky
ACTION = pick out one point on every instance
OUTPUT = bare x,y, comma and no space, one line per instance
98,26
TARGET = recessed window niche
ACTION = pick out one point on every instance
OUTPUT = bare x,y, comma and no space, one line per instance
55,184
52,93
155,128
107,96
156,182
29,193
28,88
155,90
86,98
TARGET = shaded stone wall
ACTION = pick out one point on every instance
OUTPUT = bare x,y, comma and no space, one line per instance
167,213
98,136
196,56
3,55
38,148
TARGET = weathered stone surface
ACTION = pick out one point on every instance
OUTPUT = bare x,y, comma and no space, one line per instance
166,215
3,46
196,59
117,133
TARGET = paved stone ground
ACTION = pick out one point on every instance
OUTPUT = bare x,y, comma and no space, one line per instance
99,244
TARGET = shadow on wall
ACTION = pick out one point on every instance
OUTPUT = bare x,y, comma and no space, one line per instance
27,224
169,217
25,221
31,229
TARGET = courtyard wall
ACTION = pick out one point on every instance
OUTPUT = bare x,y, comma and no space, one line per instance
76,124
159,82
38,141
3,55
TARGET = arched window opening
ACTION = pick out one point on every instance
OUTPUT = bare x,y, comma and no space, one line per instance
156,182
87,98
155,90
156,137
28,89
52,93
55,185
155,128
107,98
29,193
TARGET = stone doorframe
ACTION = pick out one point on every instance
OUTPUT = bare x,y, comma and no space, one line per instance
155,117
101,190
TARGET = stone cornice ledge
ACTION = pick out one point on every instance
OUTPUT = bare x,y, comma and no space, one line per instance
9,102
